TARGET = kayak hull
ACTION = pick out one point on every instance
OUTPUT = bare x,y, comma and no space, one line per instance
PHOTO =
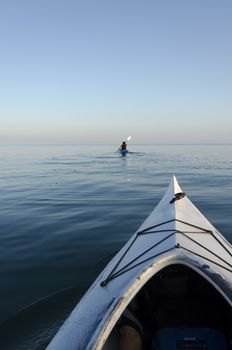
175,233
123,152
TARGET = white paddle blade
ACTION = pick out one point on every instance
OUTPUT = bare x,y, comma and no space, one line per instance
129,138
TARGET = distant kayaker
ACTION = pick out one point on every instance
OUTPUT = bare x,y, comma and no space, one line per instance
123,146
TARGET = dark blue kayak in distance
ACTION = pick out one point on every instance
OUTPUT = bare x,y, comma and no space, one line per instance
123,151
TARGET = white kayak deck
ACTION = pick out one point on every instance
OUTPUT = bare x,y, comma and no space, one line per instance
174,233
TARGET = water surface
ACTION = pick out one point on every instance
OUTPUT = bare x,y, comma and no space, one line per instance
65,210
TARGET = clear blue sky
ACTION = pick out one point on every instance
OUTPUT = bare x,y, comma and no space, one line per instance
96,71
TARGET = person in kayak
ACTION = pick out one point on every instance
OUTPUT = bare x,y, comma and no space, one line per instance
123,146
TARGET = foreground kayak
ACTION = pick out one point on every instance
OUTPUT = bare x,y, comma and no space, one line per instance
177,272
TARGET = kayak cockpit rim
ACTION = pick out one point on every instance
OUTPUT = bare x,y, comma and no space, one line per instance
112,316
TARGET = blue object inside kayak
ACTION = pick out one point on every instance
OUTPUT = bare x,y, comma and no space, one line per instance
123,151
189,338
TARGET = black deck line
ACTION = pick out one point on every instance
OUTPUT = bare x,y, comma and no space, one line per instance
126,267
202,256
210,251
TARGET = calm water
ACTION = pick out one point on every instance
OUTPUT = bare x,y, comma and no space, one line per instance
65,210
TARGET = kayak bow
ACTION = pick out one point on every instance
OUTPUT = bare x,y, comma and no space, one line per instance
175,240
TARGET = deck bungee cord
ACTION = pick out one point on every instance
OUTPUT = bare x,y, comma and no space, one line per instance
147,231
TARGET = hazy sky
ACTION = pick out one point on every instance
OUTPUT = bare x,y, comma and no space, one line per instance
96,71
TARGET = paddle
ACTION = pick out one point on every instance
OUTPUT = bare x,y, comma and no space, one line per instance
128,139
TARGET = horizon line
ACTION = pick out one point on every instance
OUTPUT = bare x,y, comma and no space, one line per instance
112,144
